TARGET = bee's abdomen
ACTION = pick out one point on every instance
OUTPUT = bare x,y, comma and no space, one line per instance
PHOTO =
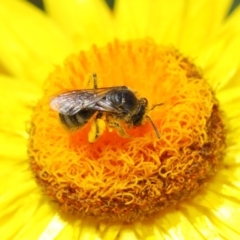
77,120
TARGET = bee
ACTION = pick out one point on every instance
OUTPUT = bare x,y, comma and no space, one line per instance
110,105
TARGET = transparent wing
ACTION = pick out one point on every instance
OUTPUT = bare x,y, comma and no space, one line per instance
71,102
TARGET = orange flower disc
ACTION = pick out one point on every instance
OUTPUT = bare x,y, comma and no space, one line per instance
132,178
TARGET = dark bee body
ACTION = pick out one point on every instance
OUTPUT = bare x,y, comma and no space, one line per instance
77,120
129,108
137,118
114,103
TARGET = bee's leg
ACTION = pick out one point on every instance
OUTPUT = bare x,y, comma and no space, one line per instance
92,81
97,129
95,83
120,130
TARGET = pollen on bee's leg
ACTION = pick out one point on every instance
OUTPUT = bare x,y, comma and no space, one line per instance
120,130
98,127
134,178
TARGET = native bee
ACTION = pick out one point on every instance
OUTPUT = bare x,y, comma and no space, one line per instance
110,104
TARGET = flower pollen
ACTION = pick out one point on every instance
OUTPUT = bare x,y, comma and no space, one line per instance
129,178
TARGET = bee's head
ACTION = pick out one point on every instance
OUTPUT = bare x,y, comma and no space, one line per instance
138,116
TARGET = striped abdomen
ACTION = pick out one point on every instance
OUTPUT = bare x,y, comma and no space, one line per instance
77,120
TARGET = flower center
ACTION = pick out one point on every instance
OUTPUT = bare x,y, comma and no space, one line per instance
131,174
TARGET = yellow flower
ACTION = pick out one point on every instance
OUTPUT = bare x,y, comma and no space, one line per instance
30,46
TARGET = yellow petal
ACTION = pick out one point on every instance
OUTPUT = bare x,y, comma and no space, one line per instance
127,233
175,225
202,19
219,58
136,19
15,207
21,217
200,222
17,101
112,231
155,19
222,211
53,228
224,61
87,21
30,43
12,146
231,82
131,25
227,97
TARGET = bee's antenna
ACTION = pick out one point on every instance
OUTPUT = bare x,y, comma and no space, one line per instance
154,126
156,105
151,121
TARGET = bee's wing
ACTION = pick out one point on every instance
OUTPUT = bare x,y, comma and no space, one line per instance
70,103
